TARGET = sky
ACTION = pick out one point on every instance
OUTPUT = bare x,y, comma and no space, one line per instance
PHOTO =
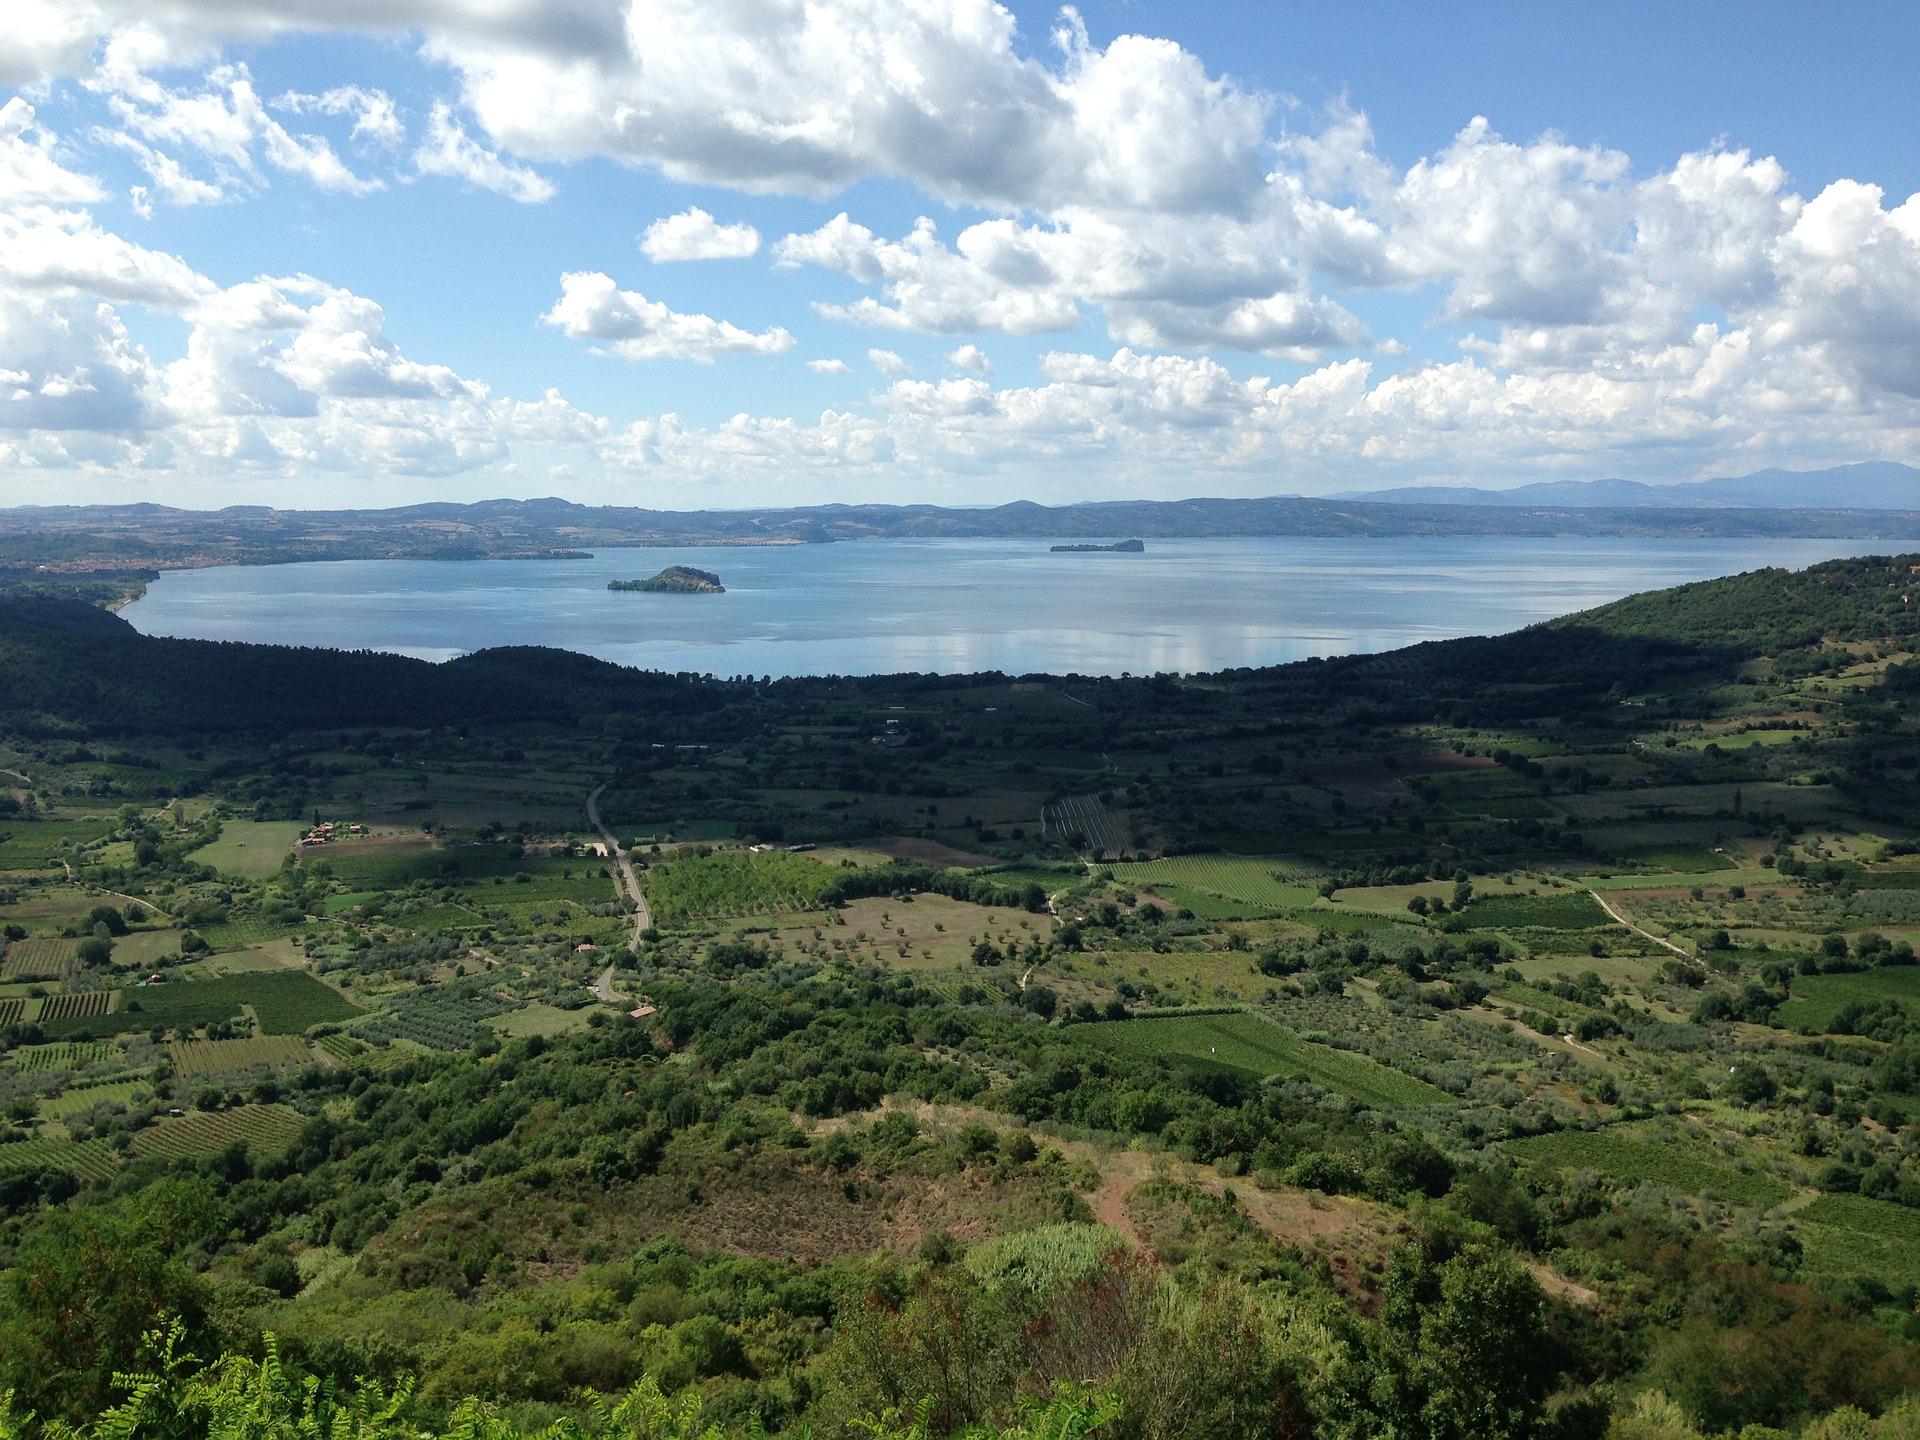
725,253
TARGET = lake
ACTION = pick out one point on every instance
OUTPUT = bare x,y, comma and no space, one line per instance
882,606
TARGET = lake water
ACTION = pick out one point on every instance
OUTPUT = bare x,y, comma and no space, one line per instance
884,606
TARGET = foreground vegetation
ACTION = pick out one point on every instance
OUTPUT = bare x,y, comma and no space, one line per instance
1514,1037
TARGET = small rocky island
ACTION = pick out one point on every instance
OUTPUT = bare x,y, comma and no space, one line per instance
675,580
1119,547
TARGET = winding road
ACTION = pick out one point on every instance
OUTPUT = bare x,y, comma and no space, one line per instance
622,871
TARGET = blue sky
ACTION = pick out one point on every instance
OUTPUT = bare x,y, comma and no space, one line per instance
252,254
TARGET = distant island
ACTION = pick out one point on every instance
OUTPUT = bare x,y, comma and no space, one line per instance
675,580
1119,547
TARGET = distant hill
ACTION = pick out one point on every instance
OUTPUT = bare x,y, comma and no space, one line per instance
141,539
1870,485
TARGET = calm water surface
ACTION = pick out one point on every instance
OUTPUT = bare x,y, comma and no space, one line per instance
883,606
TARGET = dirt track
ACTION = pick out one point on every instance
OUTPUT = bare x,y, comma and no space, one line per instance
622,869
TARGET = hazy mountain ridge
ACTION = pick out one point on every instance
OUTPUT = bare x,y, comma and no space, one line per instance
1868,485
147,537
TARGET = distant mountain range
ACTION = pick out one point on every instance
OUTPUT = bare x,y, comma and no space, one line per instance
1871,485
1856,502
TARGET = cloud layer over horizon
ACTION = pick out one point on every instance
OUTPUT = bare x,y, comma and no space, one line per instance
1128,274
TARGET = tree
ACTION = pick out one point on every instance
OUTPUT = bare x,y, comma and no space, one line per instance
86,1287
1468,1346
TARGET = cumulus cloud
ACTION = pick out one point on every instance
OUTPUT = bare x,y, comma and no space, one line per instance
1591,310
970,358
447,150
693,234
931,287
65,252
829,367
70,367
626,323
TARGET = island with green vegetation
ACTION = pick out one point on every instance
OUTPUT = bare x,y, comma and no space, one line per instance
1118,547
1510,1038
674,580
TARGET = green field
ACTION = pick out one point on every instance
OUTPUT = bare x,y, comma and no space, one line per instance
37,844
1816,999
89,1159
1209,907
251,849
1261,883
78,1101
1681,858
438,1017
1253,1044
1849,1234
238,934
286,1002
1560,910
265,1129
39,959
68,1056
194,1058
377,865
735,882
1649,1162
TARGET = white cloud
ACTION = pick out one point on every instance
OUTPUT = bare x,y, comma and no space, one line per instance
694,235
172,183
829,367
31,172
809,98
1592,311
1850,287
932,288
625,323
970,358
65,252
448,150
70,367
1160,282
376,120
224,120
1532,233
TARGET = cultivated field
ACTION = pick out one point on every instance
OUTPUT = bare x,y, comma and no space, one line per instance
264,1129
254,849
1255,1045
